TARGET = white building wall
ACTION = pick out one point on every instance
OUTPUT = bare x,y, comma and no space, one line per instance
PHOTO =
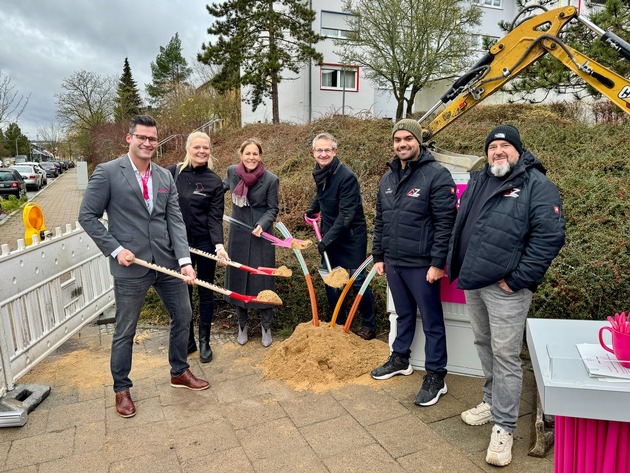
302,97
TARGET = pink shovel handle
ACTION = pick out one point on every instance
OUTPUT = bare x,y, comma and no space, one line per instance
314,223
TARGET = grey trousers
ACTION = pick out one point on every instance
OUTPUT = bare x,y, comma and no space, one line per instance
498,322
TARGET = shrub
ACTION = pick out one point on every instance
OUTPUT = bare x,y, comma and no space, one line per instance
12,203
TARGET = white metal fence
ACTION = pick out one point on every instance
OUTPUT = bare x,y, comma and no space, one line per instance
48,292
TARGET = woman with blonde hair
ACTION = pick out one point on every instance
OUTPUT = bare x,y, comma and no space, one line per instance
201,199
254,193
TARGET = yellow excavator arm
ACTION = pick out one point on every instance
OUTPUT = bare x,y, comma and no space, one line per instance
525,44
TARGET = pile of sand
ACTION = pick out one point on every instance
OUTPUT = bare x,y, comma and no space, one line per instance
323,358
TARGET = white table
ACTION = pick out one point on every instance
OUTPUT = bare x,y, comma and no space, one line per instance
592,426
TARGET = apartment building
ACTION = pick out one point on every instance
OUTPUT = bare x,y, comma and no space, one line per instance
343,89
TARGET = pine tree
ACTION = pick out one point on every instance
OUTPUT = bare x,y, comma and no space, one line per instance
4,150
128,102
256,43
170,71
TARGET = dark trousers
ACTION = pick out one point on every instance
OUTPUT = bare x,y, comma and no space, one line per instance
129,294
266,317
410,292
205,268
366,306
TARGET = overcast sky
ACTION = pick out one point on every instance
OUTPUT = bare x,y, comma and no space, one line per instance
43,42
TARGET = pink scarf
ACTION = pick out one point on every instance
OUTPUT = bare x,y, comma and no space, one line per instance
248,179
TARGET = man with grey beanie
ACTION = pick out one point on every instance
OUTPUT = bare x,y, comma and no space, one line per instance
415,212
509,228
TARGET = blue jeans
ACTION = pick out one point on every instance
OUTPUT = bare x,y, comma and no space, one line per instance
410,292
205,268
366,306
498,322
130,294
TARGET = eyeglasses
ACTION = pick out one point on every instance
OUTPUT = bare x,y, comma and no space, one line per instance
323,150
144,138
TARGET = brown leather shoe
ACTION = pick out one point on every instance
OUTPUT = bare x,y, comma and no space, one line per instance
366,334
124,405
190,381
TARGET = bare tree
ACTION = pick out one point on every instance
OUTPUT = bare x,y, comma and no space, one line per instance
408,43
12,102
86,101
51,134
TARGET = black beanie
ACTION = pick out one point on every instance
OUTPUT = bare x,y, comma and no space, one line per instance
508,133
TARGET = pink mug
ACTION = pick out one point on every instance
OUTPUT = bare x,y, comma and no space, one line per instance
620,345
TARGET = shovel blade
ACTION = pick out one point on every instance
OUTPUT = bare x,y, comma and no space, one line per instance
337,278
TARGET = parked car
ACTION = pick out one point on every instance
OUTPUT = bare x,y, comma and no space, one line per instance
11,183
50,168
40,170
59,166
20,158
30,175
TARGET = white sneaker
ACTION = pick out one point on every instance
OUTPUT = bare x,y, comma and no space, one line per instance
500,449
478,415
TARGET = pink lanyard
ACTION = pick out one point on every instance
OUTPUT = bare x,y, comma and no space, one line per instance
145,184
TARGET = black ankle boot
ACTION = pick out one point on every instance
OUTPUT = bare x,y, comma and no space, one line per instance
205,354
192,346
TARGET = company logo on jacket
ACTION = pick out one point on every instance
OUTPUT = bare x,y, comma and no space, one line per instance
515,193
198,189
414,192
389,190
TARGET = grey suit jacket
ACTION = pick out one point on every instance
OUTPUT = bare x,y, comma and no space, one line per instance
159,236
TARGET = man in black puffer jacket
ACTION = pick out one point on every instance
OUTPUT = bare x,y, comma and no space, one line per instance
415,212
508,230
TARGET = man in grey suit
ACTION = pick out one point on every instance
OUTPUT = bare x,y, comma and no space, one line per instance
144,221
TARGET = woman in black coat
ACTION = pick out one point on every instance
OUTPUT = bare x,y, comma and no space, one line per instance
254,193
201,199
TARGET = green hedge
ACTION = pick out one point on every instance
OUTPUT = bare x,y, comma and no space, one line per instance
588,163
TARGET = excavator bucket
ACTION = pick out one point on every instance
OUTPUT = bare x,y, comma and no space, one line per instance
456,162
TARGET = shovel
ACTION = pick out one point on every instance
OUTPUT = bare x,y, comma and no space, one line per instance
337,277
357,299
264,297
309,282
283,271
356,274
293,243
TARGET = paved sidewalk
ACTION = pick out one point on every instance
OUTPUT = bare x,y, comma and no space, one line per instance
60,201
243,423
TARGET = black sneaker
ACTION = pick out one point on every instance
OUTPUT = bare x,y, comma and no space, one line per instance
395,365
433,387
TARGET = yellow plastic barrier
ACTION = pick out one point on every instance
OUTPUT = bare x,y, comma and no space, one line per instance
33,218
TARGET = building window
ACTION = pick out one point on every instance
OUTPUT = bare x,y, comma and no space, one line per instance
489,3
334,25
335,77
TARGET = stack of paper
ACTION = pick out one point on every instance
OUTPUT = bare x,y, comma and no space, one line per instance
602,364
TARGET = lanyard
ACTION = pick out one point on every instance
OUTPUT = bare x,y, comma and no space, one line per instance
145,184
